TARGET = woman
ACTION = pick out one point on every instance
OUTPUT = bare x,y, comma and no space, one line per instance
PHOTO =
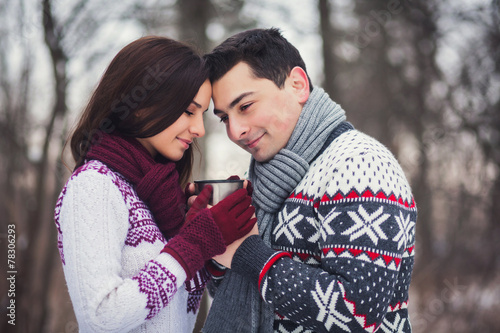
132,257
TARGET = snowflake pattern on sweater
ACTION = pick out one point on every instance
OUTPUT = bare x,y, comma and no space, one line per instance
352,221
110,249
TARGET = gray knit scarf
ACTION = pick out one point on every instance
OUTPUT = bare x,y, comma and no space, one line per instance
237,305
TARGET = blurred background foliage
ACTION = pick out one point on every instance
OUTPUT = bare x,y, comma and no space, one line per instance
422,76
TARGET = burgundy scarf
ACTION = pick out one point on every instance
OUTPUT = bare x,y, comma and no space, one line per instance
156,181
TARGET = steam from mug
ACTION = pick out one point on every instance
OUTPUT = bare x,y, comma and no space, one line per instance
221,188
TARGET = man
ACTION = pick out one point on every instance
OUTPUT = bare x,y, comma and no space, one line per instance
335,212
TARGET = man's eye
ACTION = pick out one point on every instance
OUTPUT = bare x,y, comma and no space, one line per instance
223,119
244,107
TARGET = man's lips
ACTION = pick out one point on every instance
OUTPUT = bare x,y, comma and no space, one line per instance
254,143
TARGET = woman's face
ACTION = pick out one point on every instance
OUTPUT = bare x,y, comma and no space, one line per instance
173,141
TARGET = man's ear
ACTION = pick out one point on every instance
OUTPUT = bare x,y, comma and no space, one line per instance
300,83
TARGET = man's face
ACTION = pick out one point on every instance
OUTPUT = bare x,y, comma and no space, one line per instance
259,117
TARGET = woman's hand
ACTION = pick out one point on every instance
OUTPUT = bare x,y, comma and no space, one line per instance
199,202
189,192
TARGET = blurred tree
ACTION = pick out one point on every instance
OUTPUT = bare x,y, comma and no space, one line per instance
394,76
476,101
36,266
193,19
329,38
34,177
386,68
387,63
15,166
31,183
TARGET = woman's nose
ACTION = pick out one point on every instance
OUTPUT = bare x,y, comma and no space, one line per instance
198,127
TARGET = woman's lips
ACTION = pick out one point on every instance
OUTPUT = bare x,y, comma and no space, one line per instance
185,142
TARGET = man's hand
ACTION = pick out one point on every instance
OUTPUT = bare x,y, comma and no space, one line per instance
226,257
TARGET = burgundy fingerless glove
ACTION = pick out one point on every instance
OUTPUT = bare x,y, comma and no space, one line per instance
233,215
199,239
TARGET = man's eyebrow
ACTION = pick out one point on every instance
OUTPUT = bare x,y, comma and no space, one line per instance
239,98
235,101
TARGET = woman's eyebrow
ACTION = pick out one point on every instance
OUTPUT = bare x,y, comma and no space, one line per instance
196,104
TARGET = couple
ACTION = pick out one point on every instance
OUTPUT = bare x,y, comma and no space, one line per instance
320,240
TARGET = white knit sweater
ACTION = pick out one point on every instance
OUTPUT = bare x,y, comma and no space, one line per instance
110,248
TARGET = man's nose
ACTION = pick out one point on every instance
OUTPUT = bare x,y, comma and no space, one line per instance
237,129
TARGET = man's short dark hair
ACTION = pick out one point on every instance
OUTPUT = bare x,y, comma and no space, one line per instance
269,55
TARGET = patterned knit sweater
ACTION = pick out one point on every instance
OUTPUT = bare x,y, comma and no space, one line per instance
349,227
110,249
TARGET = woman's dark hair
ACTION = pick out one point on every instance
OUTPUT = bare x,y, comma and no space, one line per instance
266,51
146,88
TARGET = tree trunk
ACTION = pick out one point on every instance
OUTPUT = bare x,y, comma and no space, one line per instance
194,16
40,252
328,37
